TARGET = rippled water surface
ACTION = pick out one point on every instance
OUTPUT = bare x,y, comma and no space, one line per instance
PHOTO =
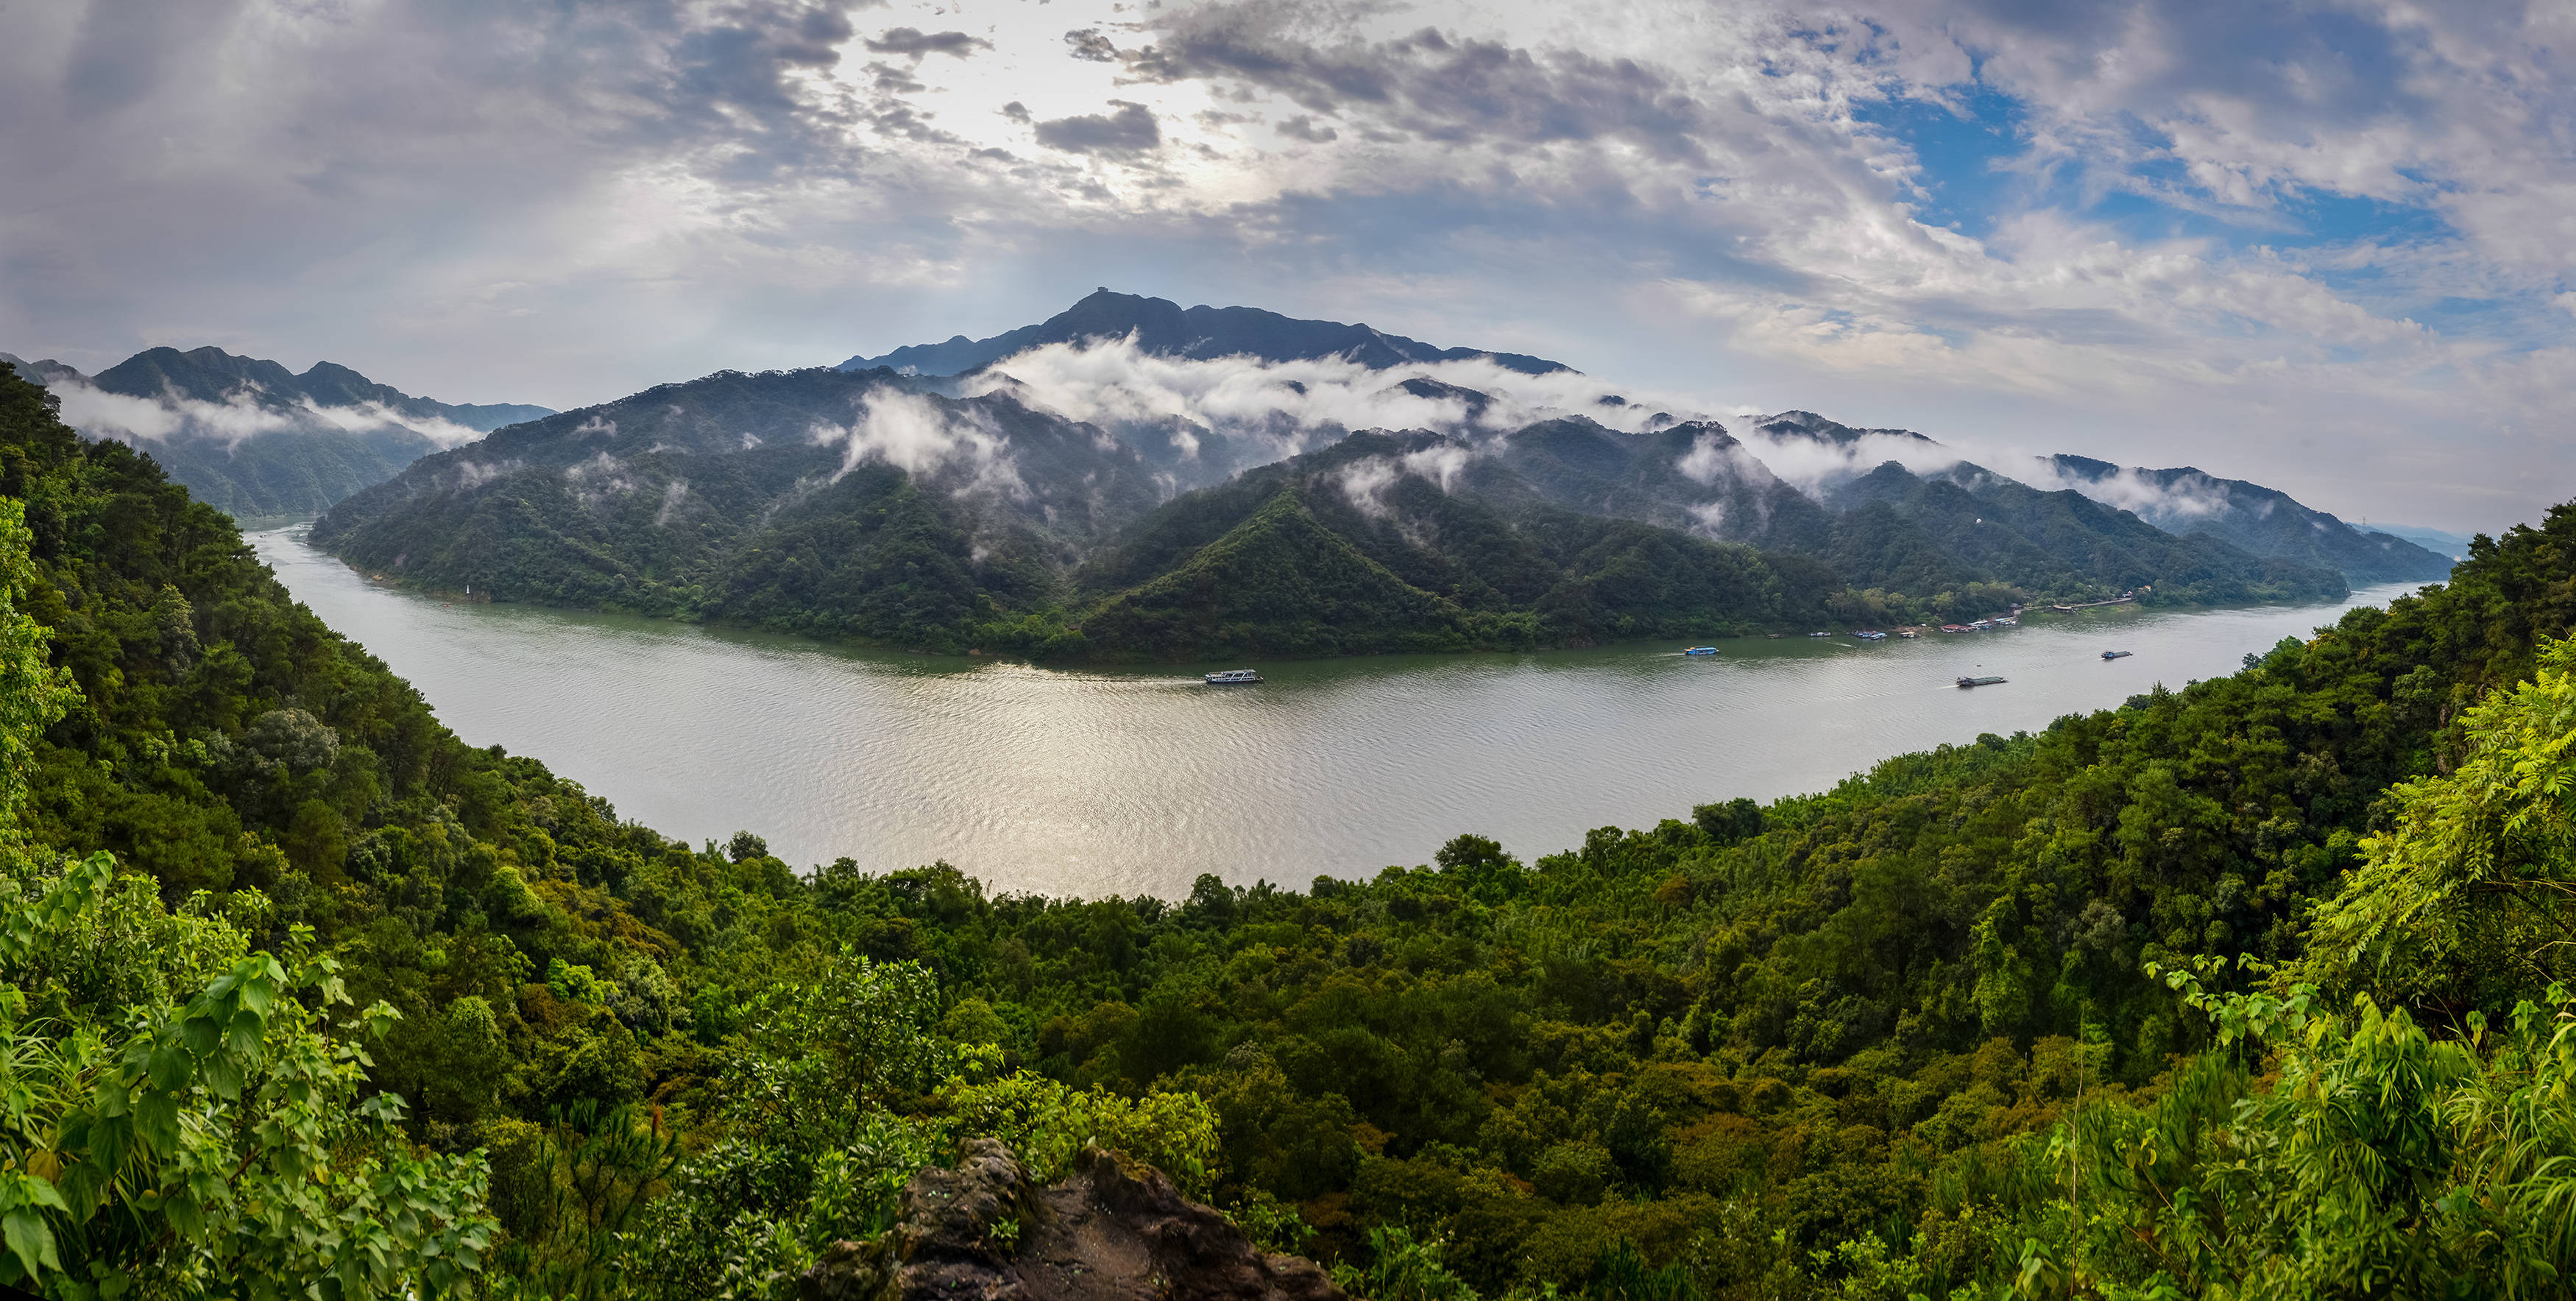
1126,782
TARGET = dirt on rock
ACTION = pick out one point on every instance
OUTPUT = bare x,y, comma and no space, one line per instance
1113,1230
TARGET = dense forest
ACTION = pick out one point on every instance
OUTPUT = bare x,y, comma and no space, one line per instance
2243,989
889,508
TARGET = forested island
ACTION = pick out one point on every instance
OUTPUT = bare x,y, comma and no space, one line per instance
2246,989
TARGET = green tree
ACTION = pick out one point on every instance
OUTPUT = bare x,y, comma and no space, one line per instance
216,1144
33,691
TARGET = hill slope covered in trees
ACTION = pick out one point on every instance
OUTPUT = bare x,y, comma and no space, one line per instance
875,505
1815,1048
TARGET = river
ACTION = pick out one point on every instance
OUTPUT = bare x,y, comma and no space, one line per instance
1097,782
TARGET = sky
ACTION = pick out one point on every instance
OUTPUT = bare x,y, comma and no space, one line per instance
2322,246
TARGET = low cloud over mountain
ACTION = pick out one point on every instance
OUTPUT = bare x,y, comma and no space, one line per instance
254,438
1094,486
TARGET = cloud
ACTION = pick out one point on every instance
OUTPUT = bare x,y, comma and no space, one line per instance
2186,499
599,480
1364,483
1130,130
915,42
675,494
1441,465
1089,45
1709,458
245,413
2241,233
1814,465
1261,410
471,475
932,440
1302,127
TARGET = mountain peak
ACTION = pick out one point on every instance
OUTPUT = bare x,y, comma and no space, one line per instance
1807,424
1202,333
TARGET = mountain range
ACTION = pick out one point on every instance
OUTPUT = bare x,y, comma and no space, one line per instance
254,438
1132,479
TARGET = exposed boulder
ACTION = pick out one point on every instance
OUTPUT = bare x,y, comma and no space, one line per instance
1113,1230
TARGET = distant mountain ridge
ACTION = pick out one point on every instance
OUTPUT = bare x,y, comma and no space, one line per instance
2265,521
2440,543
1200,333
1807,424
213,375
253,438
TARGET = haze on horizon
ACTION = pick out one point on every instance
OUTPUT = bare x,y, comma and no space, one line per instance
2321,246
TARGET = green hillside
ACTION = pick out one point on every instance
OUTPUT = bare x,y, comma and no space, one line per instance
1337,552
1511,563
1280,583
715,500
2066,1010
1967,525
873,506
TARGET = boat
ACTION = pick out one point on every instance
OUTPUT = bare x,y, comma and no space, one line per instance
1232,677
1701,650
1871,636
2117,655
1979,682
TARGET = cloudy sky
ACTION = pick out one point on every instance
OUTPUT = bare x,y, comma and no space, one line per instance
2324,246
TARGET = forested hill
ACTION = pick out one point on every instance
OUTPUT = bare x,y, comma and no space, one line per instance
813,501
1424,542
887,507
1831,1046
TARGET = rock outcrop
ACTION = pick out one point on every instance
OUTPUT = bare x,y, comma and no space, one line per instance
1113,1230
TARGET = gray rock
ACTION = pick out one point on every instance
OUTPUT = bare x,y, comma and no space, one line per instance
1113,1230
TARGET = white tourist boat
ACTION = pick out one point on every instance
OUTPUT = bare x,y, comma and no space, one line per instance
1232,677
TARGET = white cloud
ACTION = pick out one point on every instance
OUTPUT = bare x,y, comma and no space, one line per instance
924,437
1283,408
244,413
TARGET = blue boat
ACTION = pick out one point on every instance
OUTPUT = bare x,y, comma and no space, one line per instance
1701,650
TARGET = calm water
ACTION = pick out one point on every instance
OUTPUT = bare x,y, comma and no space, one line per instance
1128,782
